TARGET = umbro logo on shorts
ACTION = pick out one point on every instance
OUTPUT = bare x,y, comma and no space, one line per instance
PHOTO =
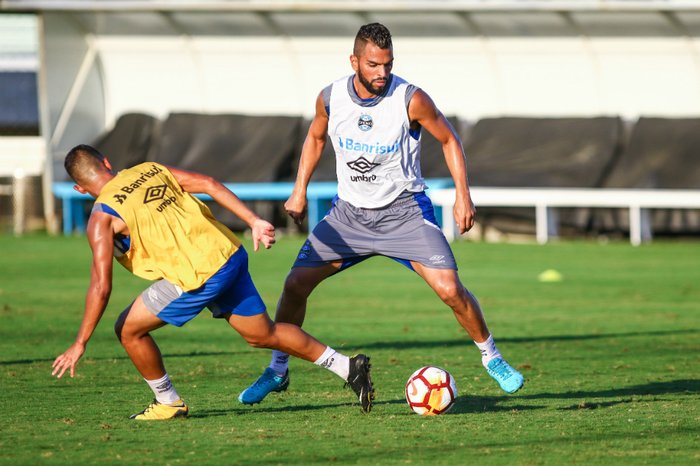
437,259
305,251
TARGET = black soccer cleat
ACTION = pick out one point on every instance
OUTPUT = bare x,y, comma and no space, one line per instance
360,381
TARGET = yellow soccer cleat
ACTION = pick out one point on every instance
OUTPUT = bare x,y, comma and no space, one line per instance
159,411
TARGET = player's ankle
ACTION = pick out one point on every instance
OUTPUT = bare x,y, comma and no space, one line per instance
279,362
488,350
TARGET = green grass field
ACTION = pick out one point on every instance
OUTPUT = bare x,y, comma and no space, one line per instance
611,357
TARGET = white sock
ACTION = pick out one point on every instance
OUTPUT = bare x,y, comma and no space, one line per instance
488,350
164,390
279,362
335,362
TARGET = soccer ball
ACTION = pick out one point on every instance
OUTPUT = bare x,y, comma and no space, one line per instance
430,390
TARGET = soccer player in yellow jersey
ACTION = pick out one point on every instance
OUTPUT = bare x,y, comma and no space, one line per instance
146,217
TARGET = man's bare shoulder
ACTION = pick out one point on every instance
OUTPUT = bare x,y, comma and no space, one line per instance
421,106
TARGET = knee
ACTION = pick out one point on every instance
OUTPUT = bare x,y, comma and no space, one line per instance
296,286
125,332
262,338
259,341
452,293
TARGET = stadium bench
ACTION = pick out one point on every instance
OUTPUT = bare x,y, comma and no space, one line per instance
547,200
319,195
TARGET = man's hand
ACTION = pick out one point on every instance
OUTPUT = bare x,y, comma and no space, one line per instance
296,207
68,360
464,212
264,232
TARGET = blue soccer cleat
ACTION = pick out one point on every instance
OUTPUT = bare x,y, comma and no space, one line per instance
268,382
508,378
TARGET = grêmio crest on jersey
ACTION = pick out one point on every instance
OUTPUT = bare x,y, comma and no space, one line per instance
365,122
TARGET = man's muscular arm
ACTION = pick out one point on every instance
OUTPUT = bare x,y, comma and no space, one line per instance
192,182
310,155
101,237
422,111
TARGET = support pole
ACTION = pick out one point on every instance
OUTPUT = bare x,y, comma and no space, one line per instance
19,201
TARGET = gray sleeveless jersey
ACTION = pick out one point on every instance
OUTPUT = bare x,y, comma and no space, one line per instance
377,156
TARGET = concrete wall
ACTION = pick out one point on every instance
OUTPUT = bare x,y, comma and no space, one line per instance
472,64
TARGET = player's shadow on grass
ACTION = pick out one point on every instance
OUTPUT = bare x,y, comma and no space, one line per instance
408,344
467,404
204,413
625,394
166,356
463,405
471,404
588,399
393,345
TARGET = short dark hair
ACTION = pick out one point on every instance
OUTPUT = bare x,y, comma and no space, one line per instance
376,33
82,161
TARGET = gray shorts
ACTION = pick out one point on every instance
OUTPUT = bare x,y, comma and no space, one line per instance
405,230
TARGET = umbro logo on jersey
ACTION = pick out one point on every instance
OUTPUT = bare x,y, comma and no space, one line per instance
365,122
362,165
120,198
437,259
155,193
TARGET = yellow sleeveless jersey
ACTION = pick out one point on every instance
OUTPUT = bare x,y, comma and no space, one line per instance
172,234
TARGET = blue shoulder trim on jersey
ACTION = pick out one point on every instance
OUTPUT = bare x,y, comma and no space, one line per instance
123,243
426,206
100,207
410,90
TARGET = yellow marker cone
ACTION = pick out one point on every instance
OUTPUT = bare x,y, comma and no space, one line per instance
550,276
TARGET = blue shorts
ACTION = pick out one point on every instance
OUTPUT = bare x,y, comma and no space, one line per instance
229,291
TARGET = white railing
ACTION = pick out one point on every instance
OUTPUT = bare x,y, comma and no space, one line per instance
546,201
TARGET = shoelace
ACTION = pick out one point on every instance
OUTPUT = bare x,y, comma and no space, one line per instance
150,407
260,382
502,370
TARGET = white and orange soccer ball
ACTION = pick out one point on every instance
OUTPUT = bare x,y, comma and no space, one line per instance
430,390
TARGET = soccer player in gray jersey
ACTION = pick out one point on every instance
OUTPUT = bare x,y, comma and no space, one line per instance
374,120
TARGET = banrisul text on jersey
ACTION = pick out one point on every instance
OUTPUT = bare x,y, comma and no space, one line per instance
145,176
376,148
